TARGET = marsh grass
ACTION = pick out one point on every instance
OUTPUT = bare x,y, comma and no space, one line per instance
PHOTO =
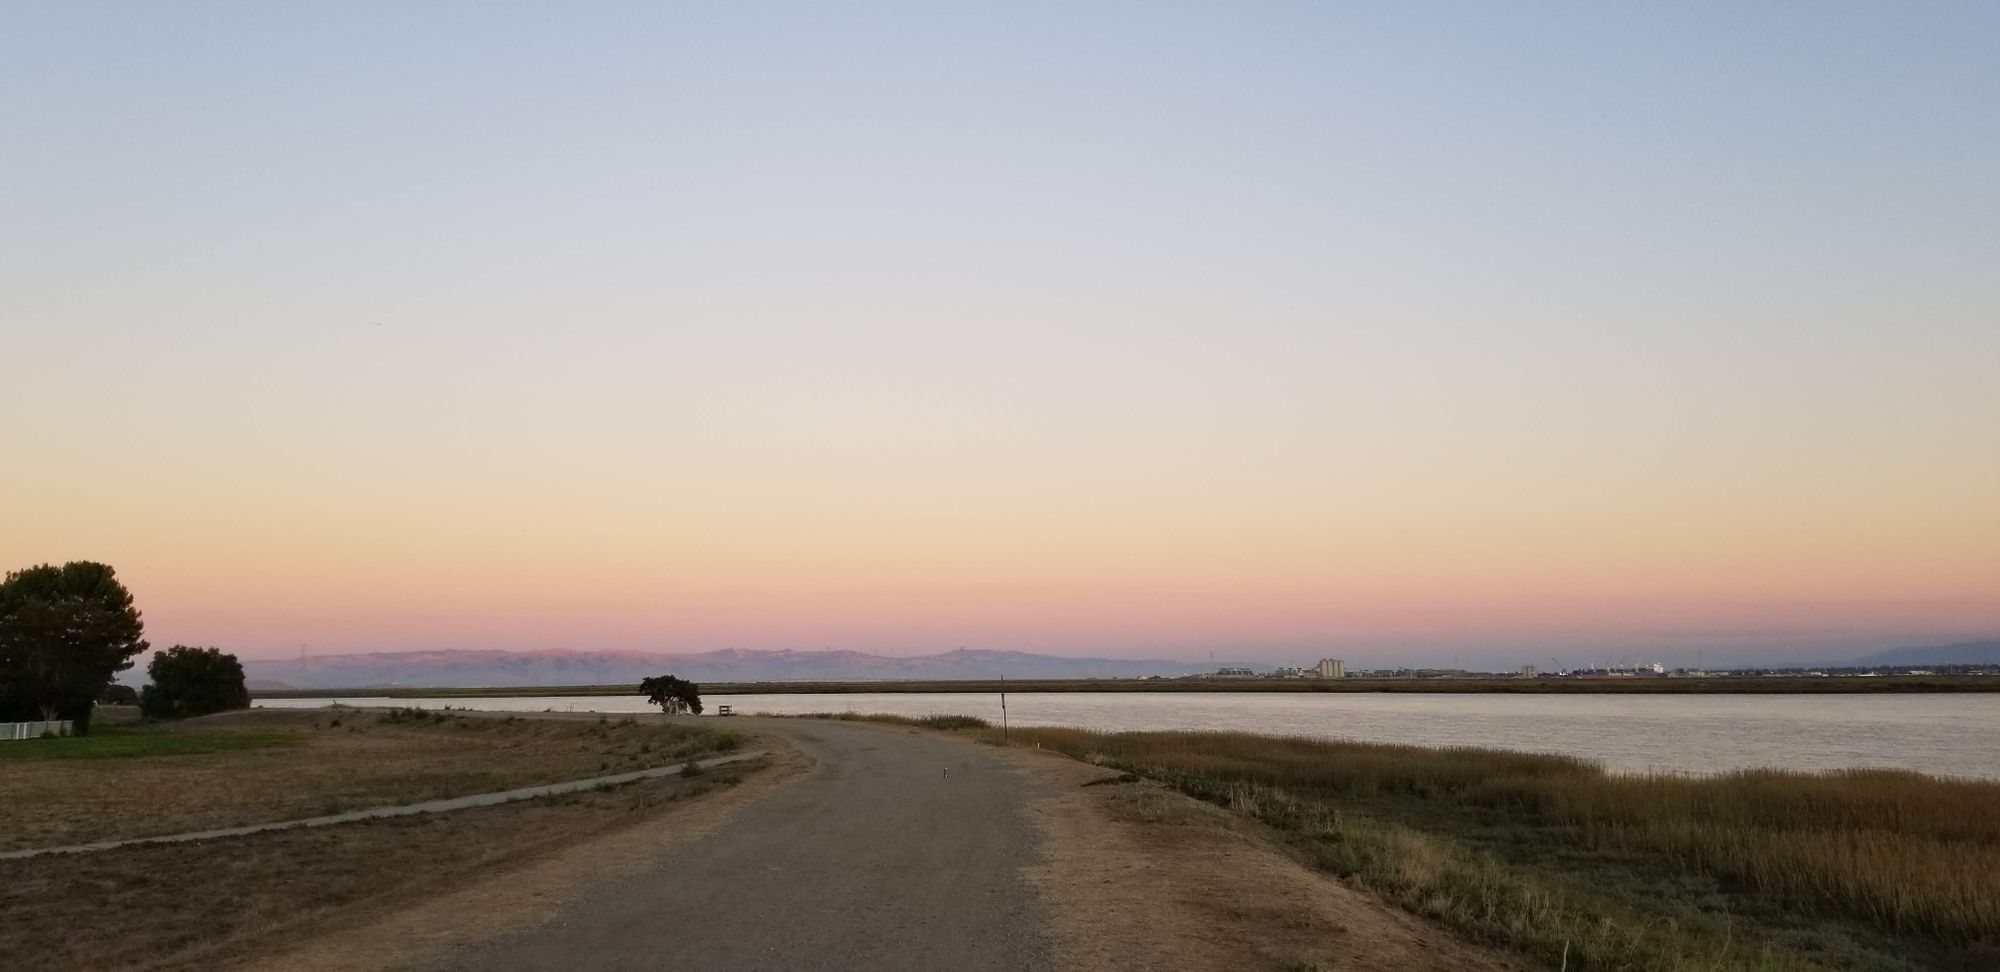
413,716
1762,870
935,721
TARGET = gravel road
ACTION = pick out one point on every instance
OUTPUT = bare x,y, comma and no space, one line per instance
900,852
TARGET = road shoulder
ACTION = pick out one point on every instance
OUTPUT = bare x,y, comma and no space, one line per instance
1135,876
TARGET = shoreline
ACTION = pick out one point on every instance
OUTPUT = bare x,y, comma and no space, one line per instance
1719,685
1563,863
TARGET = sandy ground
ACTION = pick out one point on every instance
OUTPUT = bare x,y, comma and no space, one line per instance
1139,877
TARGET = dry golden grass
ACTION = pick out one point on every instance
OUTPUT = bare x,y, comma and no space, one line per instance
333,762
1910,853
205,905
934,721
1136,876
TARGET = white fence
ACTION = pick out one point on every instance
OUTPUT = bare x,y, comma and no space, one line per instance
33,730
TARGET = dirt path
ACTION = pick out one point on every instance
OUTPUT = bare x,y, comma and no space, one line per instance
887,848
1136,876
902,851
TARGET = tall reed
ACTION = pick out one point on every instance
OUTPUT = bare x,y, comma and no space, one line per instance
1907,854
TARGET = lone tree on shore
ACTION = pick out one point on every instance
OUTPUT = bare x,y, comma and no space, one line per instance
191,682
64,632
672,695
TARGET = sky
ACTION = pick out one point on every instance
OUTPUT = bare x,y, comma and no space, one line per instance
1479,334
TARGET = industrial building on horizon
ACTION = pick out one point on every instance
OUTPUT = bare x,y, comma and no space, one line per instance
1327,668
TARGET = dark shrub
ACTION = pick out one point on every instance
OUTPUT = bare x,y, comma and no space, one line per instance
116,694
191,682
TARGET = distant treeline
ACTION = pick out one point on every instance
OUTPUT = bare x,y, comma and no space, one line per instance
1721,685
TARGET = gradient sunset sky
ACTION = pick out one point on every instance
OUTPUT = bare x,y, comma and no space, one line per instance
1406,333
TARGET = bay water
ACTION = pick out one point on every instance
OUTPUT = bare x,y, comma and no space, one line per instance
1951,734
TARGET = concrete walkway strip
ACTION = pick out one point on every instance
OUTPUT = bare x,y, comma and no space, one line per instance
377,813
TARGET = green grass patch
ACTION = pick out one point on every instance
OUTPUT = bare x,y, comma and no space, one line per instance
132,744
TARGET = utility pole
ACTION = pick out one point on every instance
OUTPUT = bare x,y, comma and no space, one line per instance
1003,709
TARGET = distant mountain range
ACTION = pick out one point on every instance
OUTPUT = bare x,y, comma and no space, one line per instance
479,669
1963,653
500,669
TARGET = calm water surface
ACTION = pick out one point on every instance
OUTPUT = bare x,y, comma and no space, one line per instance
1956,735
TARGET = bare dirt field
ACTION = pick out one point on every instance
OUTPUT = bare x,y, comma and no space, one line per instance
1110,872
1136,876
225,903
261,765
440,919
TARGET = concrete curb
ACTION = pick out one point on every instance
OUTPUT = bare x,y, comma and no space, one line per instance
379,813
